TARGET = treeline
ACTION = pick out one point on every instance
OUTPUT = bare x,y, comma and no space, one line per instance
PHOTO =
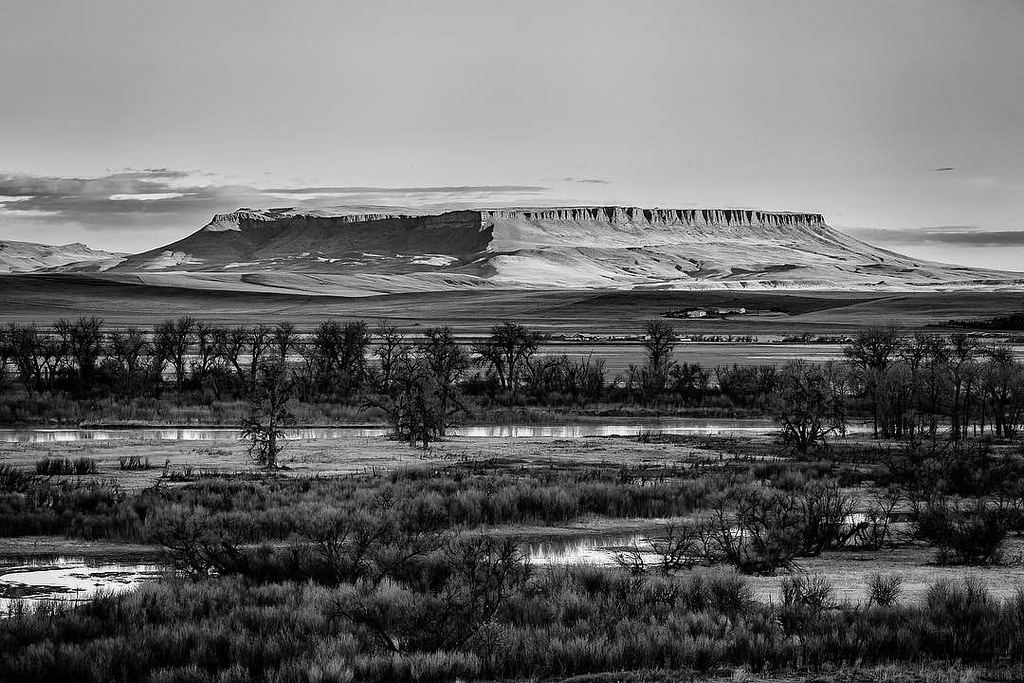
909,386
913,384
349,362
1012,321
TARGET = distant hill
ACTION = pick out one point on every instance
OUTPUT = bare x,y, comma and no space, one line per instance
374,251
28,257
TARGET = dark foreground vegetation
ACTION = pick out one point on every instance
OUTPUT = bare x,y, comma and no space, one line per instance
488,619
422,573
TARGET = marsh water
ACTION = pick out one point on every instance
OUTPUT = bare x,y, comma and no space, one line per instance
692,426
597,550
28,583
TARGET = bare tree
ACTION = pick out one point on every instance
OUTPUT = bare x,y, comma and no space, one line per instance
809,404
206,347
230,344
389,347
82,346
1003,385
659,341
339,356
963,370
234,343
24,343
284,339
269,415
6,355
259,342
507,352
174,340
755,530
446,362
870,352
128,348
411,402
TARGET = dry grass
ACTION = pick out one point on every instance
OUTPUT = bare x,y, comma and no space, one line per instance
354,454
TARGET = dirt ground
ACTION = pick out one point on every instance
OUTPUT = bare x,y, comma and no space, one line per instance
849,571
351,454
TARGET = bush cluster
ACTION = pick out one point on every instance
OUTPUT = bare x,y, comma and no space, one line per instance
485,620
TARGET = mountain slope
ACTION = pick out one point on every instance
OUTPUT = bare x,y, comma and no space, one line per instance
371,250
28,257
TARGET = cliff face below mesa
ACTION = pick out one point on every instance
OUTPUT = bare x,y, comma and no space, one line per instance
688,218
317,242
630,227
374,250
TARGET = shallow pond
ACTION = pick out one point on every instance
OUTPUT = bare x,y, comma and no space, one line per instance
596,550
692,426
74,579
26,583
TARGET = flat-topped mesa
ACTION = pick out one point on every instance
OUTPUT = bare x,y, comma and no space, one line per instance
243,219
620,215
381,249
612,216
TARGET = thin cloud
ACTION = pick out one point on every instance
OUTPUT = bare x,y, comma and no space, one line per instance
950,235
160,198
454,189
588,181
145,197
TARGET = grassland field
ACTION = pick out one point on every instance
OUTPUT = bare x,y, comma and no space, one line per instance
43,298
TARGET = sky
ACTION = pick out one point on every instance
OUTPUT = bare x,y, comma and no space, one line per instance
126,124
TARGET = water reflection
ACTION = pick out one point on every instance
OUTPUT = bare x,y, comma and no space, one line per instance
564,431
69,578
33,435
595,550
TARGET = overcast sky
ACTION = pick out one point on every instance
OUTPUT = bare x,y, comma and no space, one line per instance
126,123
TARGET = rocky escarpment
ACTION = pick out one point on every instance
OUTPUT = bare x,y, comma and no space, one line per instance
624,226
247,219
681,217
376,250
319,241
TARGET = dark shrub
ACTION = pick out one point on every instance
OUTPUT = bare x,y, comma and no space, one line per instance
65,466
884,591
970,533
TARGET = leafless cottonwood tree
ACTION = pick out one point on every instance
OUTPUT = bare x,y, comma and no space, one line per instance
129,349
507,352
269,415
173,340
809,403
